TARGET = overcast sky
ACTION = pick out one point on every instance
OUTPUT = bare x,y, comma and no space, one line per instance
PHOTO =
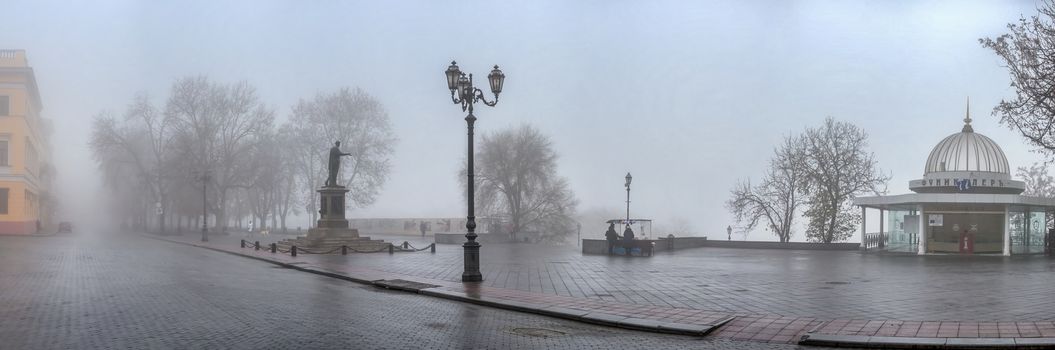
688,96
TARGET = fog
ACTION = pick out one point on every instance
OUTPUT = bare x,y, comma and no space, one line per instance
689,97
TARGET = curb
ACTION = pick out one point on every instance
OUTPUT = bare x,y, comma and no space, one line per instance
877,342
279,263
545,310
582,316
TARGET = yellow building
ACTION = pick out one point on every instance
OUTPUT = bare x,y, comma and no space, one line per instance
26,172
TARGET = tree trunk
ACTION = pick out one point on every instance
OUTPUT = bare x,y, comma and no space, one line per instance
830,235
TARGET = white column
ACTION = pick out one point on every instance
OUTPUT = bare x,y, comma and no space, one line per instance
881,235
922,230
1007,230
863,217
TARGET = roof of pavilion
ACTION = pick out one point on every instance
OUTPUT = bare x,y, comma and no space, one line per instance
904,200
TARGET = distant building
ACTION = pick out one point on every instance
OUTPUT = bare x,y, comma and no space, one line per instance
26,172
966,203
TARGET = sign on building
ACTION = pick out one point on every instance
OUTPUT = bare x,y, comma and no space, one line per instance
935,220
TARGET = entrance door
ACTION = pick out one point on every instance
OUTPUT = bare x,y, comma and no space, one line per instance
976,232
966,242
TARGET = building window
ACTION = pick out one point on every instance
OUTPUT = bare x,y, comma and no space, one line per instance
5,106
3,153
3,200
31,157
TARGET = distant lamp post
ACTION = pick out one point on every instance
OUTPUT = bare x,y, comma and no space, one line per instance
464,93
628,179
204,207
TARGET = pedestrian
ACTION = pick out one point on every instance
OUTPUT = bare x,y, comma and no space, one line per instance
612,237
628,239
729,233
422,228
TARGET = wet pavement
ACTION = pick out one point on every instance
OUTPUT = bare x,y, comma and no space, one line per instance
136,293
744,288
818,284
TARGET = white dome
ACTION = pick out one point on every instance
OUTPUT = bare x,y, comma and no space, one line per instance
967,151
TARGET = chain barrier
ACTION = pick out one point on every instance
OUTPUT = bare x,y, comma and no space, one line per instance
383,248
415,249
302,250
309,251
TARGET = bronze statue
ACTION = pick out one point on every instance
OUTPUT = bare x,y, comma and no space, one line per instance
335,164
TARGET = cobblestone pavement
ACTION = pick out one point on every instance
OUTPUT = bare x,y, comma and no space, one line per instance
819,284
129,292
760,290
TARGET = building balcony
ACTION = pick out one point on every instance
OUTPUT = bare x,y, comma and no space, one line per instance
13,58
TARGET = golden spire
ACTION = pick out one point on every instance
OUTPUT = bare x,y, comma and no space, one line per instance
967,120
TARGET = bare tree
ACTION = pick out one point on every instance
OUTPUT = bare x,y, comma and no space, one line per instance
362,125
141,141
117,168
217,126
285,185
777,198
1038,182
271,191
1028,52
261,194
516,171
836,168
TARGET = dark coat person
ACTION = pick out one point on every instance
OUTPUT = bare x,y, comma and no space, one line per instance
628,234
612,237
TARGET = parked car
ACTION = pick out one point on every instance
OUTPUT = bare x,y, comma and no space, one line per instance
65,227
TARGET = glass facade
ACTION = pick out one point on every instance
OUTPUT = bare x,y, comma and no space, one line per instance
951,228
1027,231
1038,224
901,227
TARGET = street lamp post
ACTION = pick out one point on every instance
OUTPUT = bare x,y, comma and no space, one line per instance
464,93
204,208
628,179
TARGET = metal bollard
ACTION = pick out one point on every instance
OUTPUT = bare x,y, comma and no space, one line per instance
344,250
243,243
433,246
391,248
274,247
293,250
257,245
406,245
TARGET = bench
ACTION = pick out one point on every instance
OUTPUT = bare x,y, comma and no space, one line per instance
642,247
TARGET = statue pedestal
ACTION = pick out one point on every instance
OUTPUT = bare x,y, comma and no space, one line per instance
331,207
332,228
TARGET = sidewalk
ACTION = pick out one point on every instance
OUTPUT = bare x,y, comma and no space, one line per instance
644,315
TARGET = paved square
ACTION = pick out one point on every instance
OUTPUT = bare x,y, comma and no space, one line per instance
821,284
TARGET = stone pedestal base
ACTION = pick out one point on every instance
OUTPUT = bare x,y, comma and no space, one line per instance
327,239
332,231
331,207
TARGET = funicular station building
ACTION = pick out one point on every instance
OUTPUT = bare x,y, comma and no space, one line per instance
966,203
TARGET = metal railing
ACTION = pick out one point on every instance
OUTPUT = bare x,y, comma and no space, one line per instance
874,240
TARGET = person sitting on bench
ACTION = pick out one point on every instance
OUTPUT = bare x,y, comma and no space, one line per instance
612,237
628,240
